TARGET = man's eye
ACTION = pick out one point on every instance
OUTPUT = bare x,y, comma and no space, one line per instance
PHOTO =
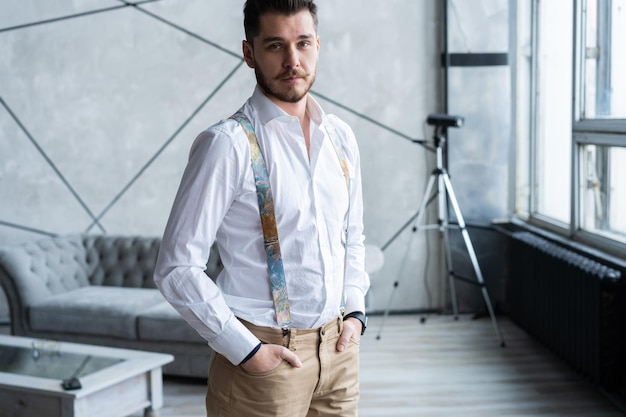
274,46
305,44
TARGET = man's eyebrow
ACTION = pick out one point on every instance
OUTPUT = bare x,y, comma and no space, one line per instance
271,39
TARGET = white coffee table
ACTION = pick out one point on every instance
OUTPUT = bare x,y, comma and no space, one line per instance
114,382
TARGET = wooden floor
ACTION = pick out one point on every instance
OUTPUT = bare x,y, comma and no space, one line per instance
447,368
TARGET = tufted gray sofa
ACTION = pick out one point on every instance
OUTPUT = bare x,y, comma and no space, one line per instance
98,289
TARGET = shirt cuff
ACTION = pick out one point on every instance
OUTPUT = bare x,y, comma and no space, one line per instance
355,300
251,354
235,342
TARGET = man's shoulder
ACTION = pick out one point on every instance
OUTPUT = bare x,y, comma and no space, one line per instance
225,127
226,133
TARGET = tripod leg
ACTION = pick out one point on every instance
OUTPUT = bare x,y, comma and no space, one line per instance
443,229
451,284
422,211
472,255
425,199
420,216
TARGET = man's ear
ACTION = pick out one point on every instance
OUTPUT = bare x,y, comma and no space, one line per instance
248,53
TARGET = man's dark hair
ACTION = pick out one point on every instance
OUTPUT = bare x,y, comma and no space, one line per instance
254,9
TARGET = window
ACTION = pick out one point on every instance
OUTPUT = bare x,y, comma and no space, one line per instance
553,115
600,127
574,146
602,190
604,59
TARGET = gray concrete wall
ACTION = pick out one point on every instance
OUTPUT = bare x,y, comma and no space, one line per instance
480,151
101,100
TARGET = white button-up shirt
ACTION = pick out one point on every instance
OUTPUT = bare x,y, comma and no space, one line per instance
217,201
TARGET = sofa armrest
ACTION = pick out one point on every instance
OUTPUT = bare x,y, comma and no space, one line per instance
17,310
32,271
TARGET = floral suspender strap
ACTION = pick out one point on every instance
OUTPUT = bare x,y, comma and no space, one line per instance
268,221
268,224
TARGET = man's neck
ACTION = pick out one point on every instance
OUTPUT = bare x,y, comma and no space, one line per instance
297,109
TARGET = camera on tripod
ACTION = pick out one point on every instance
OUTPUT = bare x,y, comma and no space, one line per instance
444,120
439,189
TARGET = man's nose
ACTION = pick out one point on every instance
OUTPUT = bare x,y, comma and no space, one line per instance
291,59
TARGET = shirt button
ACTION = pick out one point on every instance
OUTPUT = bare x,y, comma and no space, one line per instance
323,332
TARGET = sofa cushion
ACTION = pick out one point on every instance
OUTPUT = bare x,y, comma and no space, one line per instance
163,323
94,310
121,261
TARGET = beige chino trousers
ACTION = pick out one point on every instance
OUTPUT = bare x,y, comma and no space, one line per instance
327,384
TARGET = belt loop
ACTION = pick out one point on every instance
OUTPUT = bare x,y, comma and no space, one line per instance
288,340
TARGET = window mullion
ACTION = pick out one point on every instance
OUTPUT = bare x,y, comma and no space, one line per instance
534,105
603,62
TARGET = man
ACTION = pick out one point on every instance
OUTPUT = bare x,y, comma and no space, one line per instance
264,365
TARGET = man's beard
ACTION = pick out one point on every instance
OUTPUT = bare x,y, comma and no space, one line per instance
291,94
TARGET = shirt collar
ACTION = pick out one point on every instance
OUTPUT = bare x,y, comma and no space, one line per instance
267,111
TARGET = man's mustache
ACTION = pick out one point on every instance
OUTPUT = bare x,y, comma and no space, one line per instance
292,73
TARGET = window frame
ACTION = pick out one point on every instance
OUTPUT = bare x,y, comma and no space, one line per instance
584,131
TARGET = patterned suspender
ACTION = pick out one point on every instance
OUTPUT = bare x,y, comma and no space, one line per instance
268,219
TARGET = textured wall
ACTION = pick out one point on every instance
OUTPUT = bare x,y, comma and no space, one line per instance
480,151
101,99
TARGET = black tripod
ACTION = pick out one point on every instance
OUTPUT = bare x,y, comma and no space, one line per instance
445,193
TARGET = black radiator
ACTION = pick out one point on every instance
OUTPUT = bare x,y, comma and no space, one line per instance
573,304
